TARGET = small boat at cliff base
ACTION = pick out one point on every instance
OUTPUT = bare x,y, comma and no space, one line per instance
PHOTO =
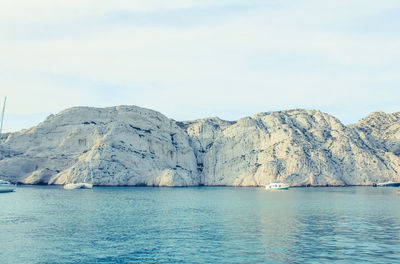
6,186
277,186
79,185
388,184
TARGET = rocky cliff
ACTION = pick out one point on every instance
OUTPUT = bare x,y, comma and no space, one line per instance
128,145
118,146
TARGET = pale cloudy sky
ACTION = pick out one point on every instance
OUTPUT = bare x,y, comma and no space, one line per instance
190,59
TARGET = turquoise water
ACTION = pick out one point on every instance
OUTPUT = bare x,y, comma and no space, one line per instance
44,224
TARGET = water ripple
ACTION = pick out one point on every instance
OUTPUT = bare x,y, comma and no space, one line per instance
200,225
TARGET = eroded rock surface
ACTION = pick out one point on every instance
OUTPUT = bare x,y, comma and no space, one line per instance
122,145
298,147
128,145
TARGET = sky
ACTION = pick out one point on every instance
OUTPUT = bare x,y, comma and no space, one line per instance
191,59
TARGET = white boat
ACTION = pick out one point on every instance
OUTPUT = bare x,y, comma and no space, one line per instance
277,186
6,186
388,184
78,185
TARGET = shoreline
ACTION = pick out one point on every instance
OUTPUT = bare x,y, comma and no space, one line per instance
208,186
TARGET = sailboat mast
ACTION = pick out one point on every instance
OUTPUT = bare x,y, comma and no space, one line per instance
2,115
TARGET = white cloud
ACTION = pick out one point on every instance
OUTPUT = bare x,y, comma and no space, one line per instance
225,58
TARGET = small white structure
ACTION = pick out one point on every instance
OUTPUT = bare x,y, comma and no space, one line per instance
388,184
6,186
277,186
79,185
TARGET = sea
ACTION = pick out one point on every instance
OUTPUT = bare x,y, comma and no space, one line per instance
47,224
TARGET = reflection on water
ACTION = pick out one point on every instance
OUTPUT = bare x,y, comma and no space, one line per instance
334,225
200,225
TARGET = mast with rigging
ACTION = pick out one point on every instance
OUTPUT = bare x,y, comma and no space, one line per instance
2,115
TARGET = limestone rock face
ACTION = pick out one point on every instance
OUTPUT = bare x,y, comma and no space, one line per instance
128,145
298,147
381,131
122,145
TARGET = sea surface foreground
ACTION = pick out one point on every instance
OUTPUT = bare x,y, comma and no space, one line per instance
47,224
